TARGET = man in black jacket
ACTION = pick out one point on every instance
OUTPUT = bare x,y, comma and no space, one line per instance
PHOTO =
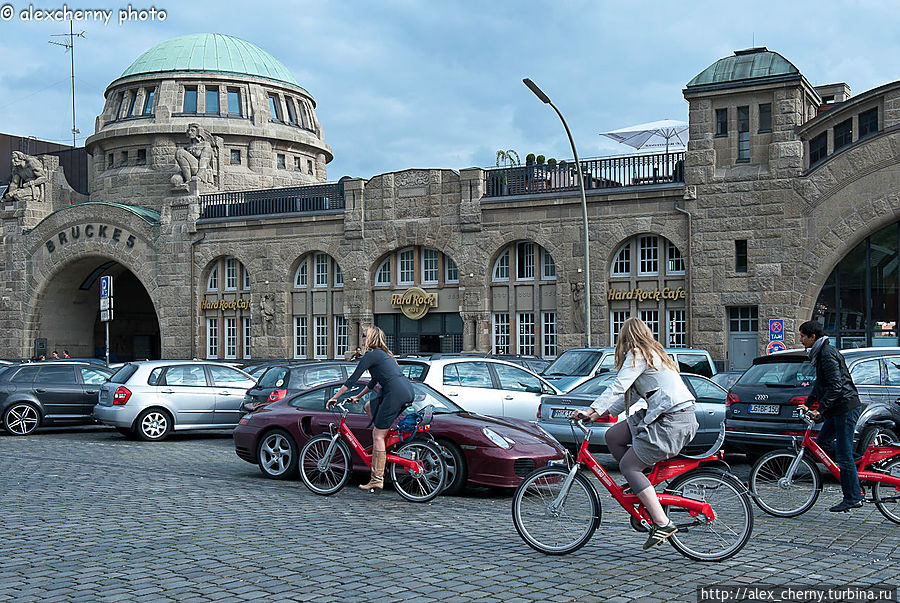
838,404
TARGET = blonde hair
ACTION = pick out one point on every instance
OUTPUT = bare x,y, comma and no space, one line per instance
636,335
376,340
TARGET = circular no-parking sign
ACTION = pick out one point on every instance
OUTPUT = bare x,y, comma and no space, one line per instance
775,346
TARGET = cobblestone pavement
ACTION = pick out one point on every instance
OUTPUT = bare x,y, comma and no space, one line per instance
90,516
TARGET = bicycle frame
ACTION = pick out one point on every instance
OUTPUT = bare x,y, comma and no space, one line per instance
873,454
629,501
392,439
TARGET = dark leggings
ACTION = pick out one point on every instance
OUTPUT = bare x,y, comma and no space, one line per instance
617,439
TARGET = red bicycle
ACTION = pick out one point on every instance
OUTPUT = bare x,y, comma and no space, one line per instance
417,467
785,483
556,509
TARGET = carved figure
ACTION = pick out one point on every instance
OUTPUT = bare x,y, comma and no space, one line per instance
578,305
27,179
267,306
195,160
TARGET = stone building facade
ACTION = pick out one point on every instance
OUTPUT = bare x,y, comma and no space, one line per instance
209,206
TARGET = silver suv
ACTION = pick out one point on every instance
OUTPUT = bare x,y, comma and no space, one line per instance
149,399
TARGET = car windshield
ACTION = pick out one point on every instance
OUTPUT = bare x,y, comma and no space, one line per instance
425,396
572,363
595,386
779,374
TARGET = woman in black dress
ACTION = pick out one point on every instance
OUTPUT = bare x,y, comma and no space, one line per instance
396,394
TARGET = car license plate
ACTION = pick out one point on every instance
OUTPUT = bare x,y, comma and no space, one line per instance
562,413
765,409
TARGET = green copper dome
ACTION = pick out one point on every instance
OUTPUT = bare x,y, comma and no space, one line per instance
745,67
211,53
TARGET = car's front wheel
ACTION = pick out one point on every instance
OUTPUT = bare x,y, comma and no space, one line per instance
21,419
276,455
153,425
457,471
875,435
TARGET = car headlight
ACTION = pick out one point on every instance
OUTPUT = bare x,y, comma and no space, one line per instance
497,439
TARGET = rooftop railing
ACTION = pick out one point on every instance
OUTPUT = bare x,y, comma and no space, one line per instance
601,173
292,200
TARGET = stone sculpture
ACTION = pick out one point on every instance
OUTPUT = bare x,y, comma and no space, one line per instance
578,305
267,307
27,179
195,161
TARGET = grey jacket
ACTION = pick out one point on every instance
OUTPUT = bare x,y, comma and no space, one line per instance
671,394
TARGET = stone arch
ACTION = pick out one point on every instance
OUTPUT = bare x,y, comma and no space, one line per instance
610,256
665,228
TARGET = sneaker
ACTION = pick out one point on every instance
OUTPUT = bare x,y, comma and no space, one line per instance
846,505
658,534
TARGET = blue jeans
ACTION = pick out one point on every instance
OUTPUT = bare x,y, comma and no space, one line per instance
839,429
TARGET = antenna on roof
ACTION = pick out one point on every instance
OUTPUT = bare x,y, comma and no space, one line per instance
70,48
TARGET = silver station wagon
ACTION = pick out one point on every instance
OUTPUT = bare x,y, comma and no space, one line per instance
152,398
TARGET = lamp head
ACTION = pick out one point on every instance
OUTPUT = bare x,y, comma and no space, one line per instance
537,91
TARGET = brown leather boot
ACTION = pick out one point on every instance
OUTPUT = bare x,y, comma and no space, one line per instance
376,482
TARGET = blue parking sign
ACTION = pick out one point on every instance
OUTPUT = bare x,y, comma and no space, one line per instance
776,329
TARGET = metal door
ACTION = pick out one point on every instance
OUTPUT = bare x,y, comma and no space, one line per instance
742,349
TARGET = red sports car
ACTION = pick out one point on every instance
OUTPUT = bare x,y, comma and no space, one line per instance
487,451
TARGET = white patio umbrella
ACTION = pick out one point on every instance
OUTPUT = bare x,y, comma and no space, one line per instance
654,134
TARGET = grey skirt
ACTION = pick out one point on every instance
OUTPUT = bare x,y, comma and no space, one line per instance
663,438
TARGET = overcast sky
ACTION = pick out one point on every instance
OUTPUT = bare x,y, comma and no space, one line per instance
410,83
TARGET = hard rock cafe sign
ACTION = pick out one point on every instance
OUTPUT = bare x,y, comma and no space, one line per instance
414,302
646,294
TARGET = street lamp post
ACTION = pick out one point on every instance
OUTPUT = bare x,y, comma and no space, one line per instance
587,256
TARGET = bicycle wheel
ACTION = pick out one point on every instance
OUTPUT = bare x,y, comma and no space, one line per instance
774,494
549,529
887,496
727,534
426,485
324,476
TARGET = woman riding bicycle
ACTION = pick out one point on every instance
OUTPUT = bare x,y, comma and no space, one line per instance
396,394
656,433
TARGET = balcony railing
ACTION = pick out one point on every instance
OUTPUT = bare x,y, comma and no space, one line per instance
292,200
602,173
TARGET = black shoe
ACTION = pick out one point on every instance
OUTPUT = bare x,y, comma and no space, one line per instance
658,534
846,505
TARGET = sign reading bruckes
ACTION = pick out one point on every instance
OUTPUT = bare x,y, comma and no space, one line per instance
646,294
414,302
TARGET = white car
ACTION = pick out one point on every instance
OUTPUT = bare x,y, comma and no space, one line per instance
482,385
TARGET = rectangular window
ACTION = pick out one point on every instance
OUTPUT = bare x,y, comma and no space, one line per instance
235,157
743,115
321,270
275,107
149,93
740,255
526,333
131,102
550,349
868,122
212,99
407,267
616,321
234,101
230,274
121,107
124,158
292,117
141,157
525,261
451,271
110,161
674,259
300,336
765,117
280,161
818,148
190,99
651,317
843,134
429,266
321,349
721,122
230,337
212,337
501,333
297,164
246,324
648,246
743,319
309,167
340,336
548,271
677,337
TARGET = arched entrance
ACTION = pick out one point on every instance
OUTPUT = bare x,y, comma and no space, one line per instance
67,313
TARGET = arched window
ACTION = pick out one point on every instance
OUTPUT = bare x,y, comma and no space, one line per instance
501,267
300,276
226,313
212,283
383,274
319,331
622,262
